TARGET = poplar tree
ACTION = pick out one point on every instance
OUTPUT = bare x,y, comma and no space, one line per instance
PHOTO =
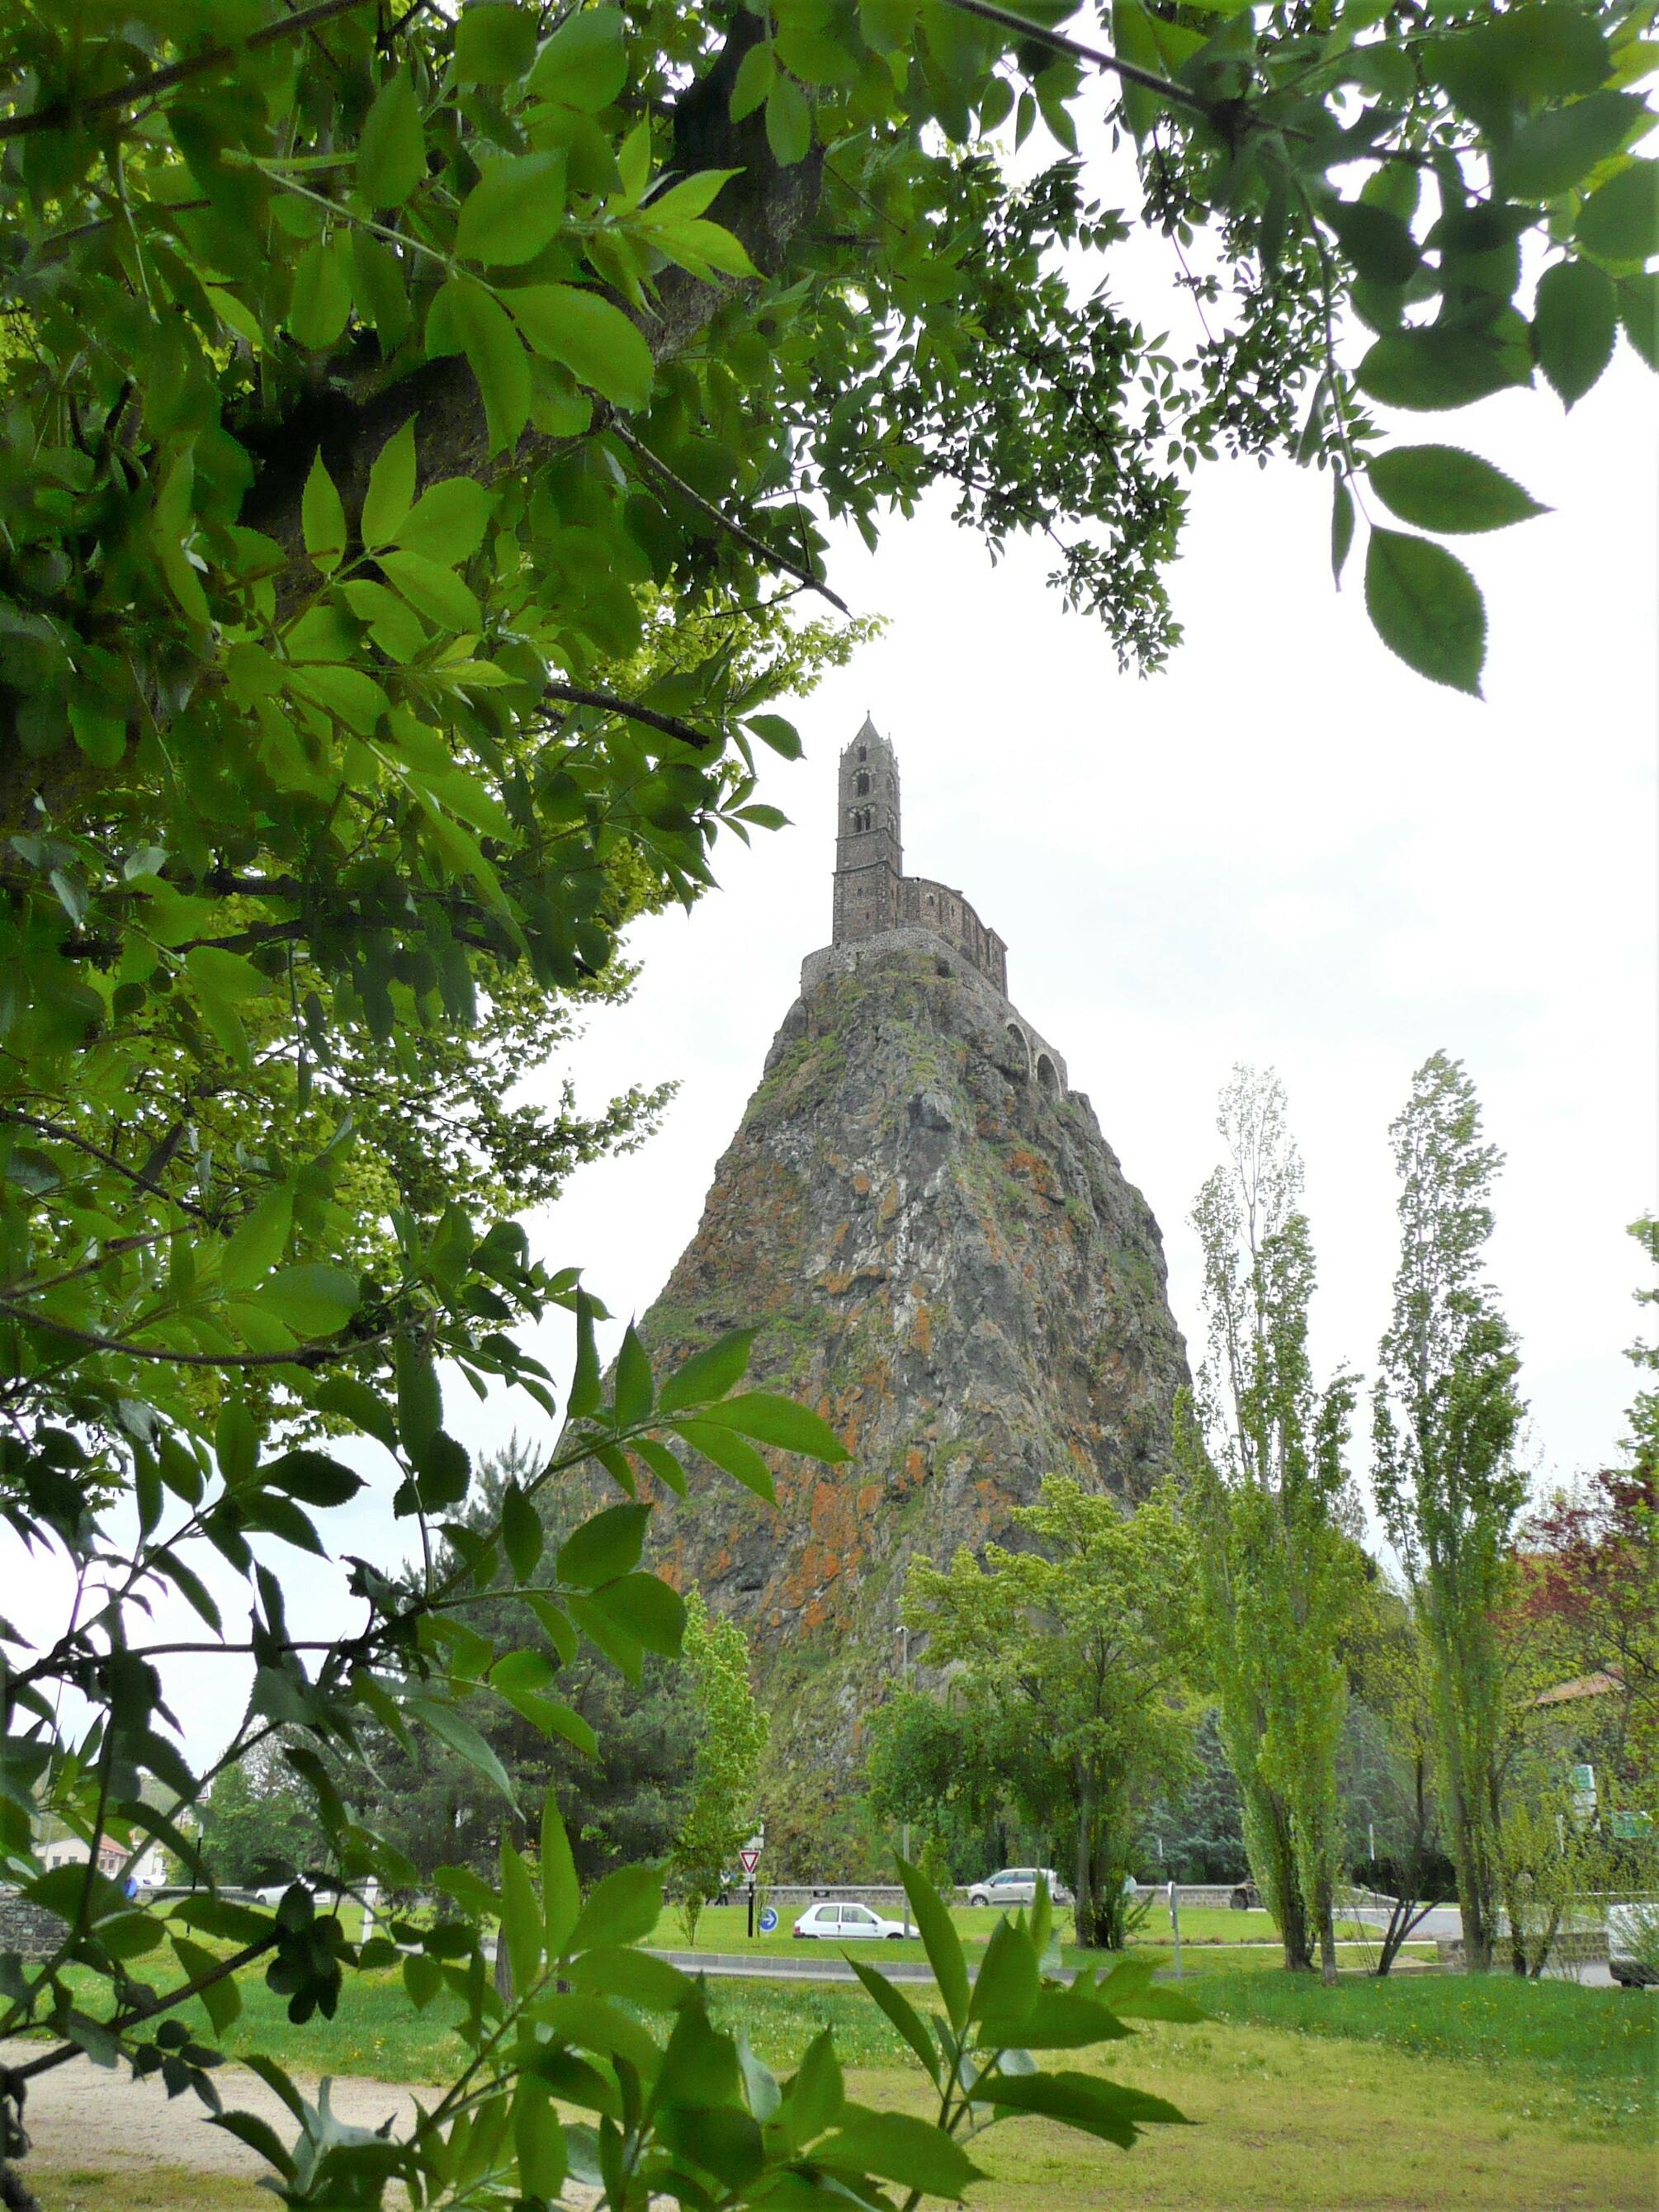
1268,1497
1446,1413
733,1732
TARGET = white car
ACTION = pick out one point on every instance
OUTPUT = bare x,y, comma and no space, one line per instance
1018,1885
846,1923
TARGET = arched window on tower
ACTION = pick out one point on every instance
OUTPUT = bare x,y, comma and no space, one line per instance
862,785
864,752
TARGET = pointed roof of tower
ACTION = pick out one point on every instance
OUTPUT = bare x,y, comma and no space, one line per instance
868,730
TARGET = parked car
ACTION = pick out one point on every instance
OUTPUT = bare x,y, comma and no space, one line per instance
1018,1885
844,1923
1633,1945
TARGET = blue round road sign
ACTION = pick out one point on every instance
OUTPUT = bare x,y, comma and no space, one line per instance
769,1920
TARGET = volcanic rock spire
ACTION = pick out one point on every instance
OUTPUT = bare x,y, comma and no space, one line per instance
943,1259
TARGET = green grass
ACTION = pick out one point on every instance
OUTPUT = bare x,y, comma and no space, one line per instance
1589,2055
1285,2120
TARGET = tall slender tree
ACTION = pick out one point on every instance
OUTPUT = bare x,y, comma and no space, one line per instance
731,1734
1449,1490
1268,1495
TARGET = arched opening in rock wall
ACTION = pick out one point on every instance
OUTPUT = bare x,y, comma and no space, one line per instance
1047,1080
1022,1051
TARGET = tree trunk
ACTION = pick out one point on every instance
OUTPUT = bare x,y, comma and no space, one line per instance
1327,1936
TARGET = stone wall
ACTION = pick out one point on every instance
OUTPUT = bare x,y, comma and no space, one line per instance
28,1929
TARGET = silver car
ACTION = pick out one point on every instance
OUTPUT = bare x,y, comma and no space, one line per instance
1018,1885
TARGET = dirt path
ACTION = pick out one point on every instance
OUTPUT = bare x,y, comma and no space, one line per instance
95,2115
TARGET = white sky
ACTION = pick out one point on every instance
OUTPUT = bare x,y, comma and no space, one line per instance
1287,849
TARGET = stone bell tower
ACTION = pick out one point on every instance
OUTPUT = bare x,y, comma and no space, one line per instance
869,850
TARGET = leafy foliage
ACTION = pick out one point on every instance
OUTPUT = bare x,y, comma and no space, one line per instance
1075,1653
1445,1415
731,1737
1273,1515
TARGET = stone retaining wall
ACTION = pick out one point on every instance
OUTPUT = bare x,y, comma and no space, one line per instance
28,1929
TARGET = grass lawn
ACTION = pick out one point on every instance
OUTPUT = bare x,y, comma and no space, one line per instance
1431,2092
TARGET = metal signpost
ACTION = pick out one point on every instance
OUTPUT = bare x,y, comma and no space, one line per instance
750,1858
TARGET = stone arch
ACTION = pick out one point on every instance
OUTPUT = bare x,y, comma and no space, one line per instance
1022,1050
1048,1079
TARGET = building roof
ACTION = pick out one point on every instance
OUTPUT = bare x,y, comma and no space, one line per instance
1599,1685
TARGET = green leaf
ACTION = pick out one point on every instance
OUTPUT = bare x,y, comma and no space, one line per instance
648,1610
1556,149
788,123
1056,2020
1007,1983
447,523
1512,62
522,1535
1575,326
322,519
939,1940
624,1909
236,1443
313,1477
1638,311
1080,2100
420,1401
434,592
584,1398
494,43
771,1419
1439,368
584,64
895,2147
753,81
773,730
901,2013
522,1917
454,1729
661,1462
731,1455
1426,607
1132,36
391,487
1341,528
514,209
422,1978
392,150
538,2141
313,1297
637,1976
590,337
604,1548
320,302
634,1385
1377,245
356,1403
817,2097
1620,220
561,1891
465,318
259,1241
709,1373
1443,488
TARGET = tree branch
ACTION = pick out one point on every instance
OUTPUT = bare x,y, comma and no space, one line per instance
58,112
681,489
670,725
1178,96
